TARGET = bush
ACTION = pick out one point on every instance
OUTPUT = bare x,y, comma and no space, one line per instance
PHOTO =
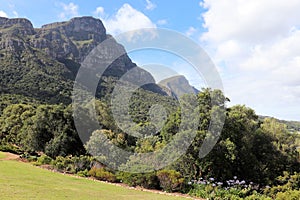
29,157
11,149
84,173
62,164
44,160
81,163
102,174
72,164
219,193
288,195
145,180
286,183
232,189
32,159
169,180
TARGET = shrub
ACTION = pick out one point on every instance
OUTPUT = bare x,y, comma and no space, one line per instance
288,195
84,173
233,189
219,193
81,163
11,149
29,157
145,180
169,180
287,183
64,164
44,160
102,174
32,158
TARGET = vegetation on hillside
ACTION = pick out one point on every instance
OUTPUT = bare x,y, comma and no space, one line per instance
254,151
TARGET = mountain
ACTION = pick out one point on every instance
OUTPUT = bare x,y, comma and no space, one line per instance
177,86
42,63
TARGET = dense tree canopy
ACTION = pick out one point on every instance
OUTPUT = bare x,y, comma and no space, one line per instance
248,147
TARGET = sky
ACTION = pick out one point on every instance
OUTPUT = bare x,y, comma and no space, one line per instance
254,44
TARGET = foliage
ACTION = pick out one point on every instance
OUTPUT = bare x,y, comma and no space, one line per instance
230,189
169,180
100,147
285,184
288,188
292,126
84,173
288,195
145,180
47,128
12,121
35,75
10,148
44,160
72,164
249,148
102,174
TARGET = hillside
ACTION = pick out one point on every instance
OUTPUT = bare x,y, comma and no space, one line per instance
42,63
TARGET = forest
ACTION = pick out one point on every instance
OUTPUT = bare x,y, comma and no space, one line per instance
253,158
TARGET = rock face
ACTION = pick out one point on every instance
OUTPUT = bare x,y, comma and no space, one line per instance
43,62
10,29
18,26
72,39
177,86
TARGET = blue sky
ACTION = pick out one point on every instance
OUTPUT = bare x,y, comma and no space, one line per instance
254,44
179,15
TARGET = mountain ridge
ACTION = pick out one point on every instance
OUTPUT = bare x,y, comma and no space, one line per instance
178,86
43,62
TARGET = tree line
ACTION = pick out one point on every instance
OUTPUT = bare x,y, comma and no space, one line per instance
249,148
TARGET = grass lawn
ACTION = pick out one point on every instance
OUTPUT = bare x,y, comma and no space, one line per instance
23,181
2,155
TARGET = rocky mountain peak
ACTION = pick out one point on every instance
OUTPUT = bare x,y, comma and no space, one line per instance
72,39
178,86
79,28
20,26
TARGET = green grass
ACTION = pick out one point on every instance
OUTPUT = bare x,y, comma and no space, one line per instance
23,181
2,155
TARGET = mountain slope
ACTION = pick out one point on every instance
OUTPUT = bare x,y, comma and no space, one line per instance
42,62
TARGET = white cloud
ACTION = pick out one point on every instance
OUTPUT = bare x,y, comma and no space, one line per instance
69,10
250,21
99,12
15,13
150,5
257,43
191,31
162,22
3,14
127,19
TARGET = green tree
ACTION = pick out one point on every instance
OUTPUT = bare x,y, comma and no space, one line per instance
51,130
12,121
